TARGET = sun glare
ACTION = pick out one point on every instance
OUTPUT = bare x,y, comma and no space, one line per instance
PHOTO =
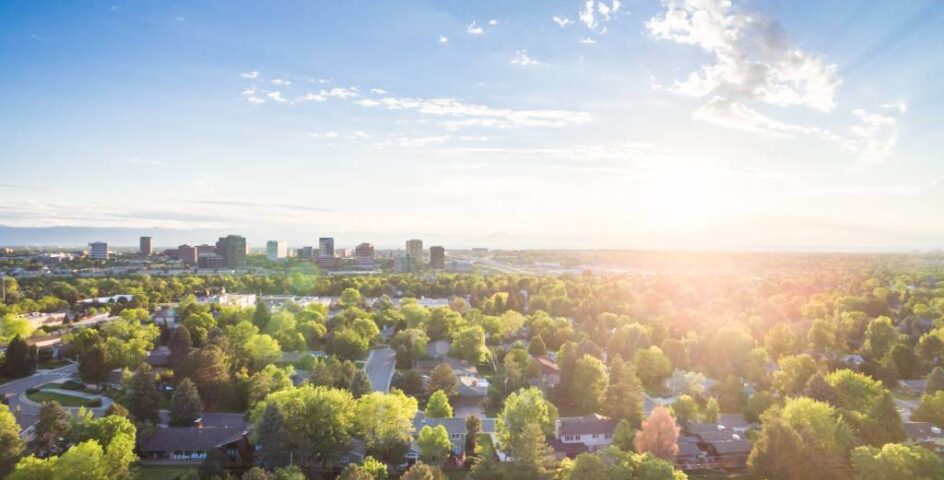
680,201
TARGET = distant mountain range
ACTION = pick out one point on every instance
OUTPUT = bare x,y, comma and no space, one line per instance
81,236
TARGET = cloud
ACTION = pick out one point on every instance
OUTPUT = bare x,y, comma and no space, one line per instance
240,203
595,13
255,100
366,102
874,138
279,81
460,114
344,92
562,22
443,39
587,41
474,29
732,114
493,23
251,75
522,59
323,135
277,97
311,97
753,59
378,91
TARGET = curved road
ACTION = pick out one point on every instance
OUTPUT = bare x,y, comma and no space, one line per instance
26,412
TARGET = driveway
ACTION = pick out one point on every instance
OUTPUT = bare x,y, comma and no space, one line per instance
380,367
26,411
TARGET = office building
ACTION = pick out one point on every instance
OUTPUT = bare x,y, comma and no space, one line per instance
276,250
305,253
205,249
459,266
211,261
187,254
414,248
98,251
437,258
364,256
340,252
145,246
404,263
233,250
329,263
326,247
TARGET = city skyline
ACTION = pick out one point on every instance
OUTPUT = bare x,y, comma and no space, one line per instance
572,124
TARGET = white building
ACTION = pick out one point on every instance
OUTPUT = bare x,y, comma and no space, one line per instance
593,431
276,250
98,251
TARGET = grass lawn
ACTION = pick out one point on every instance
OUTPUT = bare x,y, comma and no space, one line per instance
64,400
53,364
159,472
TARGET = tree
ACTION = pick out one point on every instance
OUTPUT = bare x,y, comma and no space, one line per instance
180,345
262,350
256,473
51,427
818,388
537,347
895,461
685,408
272,436
353,471
935,381
469,344
624,395
261,315
795,371
589,385
438,405
385,421
19,359
931,409
473,427
375,468
653,367
712,410
141,396
624,435
658,435
758,404
781,340
317,421
208,367
881,335
443,378
907,362
434,444
10,443
422,471
185,405
531,457
775,453
410,345
360,384
347,344
269,379
93,365
524,407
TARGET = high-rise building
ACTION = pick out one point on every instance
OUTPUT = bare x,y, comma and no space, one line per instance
187,254
98,251
364,256
414,248
404,263
276,250
326,247
437,258
305,253
205,249
145,246
233,250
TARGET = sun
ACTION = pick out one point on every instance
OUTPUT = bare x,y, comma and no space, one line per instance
681,200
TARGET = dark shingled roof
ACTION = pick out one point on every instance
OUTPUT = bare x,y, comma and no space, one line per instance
717,436
587,425
921,430
731,447
688,450
567,449
187,439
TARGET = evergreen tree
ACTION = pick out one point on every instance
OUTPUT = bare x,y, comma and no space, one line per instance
818,388
712,410
93,365
438,405
141,396
180,345
185,406
443,378
531,457
360,385
272,438
537,346
19,360
262,315
51,428
473,427
935,381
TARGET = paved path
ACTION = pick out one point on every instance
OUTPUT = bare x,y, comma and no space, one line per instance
26,411
380,367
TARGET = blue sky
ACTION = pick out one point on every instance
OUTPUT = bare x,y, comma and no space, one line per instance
681,124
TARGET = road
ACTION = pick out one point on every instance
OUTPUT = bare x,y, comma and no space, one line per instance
380,367
905,407
26,412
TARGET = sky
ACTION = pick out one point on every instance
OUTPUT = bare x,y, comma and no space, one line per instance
695,124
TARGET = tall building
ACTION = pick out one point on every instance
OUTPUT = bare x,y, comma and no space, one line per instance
145,246
98,251
187,254
437,258
414,248
404,263
326,247
276,250
233,250
364,256
305,253
205,249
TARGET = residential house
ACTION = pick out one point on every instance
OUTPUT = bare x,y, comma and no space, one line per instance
193,445
456,428
725,442
913,387
586,433
926,435
167,317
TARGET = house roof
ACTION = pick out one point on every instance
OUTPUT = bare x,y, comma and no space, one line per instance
159,357
567,449
172,439
733,421
688,450
717,436
731,447
460,367
454,425
917,385
922,430
546,364
586,425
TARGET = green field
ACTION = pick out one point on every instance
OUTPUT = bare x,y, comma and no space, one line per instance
64,400
159,472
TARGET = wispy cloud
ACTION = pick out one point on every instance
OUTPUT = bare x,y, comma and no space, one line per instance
522,59
250,75
279,81
443,39
277,97
587,41
596,13
563,22
241,203
474,29
460,114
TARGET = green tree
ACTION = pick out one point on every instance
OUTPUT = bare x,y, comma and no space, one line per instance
589,385
624,395
52,426
347,344
712,410
443,378
795,371
262,350
935,381
19,359
434,444
438,405
360,384
354,471
272,436
291,472
473,427
685,408
185,405
624,435
931,409
208,367
385,421
537,347
653,367
422,471
881,335
895,461
93,365
261,315
469,344
11,446
531,458
141,396
410,345
180,345
781,340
